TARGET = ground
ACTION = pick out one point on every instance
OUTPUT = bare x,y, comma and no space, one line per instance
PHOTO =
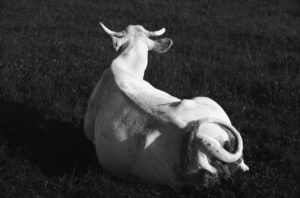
243,54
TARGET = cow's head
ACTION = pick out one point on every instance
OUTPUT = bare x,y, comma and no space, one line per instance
138,33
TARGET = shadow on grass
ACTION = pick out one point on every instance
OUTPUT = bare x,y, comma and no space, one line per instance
54,146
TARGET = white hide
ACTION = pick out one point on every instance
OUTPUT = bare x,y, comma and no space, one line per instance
137,129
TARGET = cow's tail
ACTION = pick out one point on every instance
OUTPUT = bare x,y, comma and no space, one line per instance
210,145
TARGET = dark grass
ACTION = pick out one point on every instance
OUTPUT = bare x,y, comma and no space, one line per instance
243,54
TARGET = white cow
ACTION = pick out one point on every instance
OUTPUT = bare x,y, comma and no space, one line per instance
142,133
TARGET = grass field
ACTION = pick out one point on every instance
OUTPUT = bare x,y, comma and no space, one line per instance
243,54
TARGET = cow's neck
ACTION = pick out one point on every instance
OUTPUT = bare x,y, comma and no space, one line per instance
133,59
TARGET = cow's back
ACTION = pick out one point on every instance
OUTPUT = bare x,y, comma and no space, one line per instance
129,141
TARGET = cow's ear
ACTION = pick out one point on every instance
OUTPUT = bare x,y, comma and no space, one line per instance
118,42
162,45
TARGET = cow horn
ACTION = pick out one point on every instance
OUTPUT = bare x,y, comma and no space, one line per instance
214,149
157,33
110,32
